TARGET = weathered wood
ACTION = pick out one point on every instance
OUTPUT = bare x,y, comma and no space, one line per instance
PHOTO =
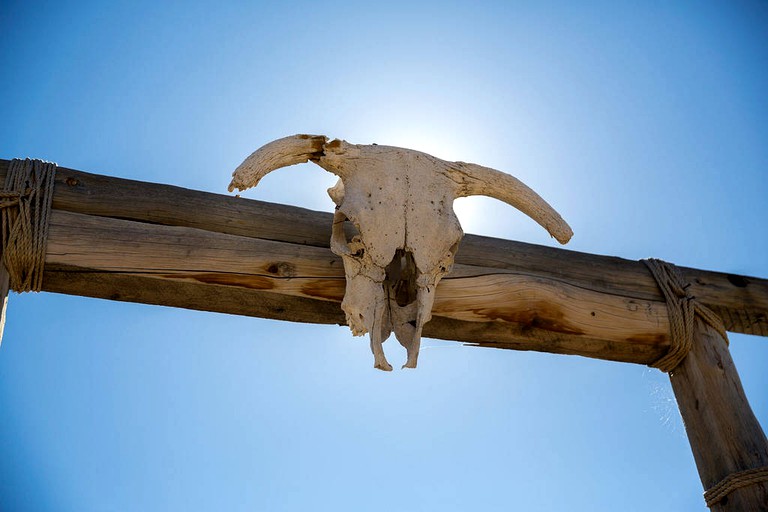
723,432
189,294
493,307
741,301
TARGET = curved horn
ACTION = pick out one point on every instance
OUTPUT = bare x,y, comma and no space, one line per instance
476,180
296,149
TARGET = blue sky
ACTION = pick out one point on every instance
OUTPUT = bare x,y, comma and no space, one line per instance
644,124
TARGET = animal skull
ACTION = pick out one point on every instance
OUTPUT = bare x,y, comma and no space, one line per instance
401,203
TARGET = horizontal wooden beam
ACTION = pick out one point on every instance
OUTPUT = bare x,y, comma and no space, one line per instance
194,268
273,261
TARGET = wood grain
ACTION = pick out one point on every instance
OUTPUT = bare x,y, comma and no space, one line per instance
741,301
490,307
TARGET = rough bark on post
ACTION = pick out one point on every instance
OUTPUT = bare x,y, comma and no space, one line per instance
724,434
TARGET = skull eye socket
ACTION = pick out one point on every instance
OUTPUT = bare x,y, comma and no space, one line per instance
354,239
345,237
356,247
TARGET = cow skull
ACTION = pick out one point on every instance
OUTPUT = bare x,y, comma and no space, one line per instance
401,203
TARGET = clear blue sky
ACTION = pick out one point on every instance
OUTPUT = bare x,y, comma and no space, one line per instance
644,123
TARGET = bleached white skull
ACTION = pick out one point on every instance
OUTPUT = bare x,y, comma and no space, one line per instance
401,203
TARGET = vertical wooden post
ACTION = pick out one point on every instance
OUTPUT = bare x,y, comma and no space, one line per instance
724,434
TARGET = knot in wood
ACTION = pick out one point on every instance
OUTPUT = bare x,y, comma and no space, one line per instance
282,269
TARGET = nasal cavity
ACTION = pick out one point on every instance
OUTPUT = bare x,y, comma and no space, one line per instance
401,276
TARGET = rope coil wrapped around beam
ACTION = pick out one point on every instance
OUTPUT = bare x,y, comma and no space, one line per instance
25,207
734,481
682,308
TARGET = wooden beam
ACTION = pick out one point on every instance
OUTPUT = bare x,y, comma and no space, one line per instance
741,301
724,434
130,240
195,268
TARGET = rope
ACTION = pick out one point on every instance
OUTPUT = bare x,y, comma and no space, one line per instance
735,481
25,206
682,309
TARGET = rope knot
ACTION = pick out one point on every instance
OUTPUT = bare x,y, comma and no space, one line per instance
25,206
682,308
